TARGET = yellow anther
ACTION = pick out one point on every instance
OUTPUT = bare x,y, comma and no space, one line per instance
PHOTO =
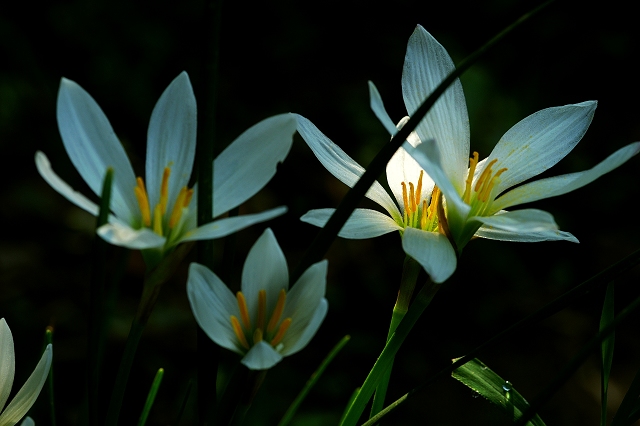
157,220
281,331
143,201
244,311
176,214
412,200
187,199
419,188
435,197
277,312
486,192
239,333
262,309
423,219
473,162
257,336
485,175
164,189
405,200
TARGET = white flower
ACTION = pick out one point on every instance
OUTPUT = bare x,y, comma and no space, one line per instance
27,395
264,321
158,213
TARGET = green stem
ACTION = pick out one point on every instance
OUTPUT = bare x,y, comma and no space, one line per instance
151,397
410,271
423,298
52,405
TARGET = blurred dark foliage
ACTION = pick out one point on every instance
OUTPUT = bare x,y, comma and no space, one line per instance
315,59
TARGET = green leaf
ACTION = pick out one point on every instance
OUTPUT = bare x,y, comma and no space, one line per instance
481,379
151,397
607,350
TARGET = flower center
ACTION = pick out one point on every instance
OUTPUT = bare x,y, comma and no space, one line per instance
418,213
272,331
480,196
158,220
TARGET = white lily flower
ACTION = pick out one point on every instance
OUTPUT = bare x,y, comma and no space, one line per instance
263,322
156,214
29,392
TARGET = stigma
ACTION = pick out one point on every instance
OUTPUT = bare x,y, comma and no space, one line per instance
420,213
157,218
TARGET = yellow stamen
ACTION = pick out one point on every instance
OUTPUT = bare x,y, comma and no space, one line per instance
239,333
164,189
435,198
257,336
419,188
157,220
176,214
244,311
277,312
187,199
423,219
281,331
262,309
485,175
404,198
473,162
143,202
412,200
486,192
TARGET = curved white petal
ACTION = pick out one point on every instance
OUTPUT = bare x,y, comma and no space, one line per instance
426,64
525,237
29,392
44,168
228,225
558,185
377,106
261,357
250,161
403,168
362,224
539,141
212,304
28,421
120,234
339,164
431,250
302,337
525,221
171,139
7,362
264,269
92,147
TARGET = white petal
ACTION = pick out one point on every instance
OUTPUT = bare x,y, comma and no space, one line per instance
28,394
539,141
525,237
171,139
304,336
223,227
44,168
212,304
339,164
7,362
250,161
431,250
92,147
378,109
426,64
403,168
558,185
525,221
261,357
28,421
362,224
120,234
264,269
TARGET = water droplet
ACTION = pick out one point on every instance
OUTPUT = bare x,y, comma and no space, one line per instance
507,386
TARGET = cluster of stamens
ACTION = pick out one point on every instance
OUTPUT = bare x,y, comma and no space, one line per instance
155,220
485,183
417,213
272,331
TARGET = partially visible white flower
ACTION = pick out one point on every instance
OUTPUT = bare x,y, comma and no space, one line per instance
264,321
27,395
157,213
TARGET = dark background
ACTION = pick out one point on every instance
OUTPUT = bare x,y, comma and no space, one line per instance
315,59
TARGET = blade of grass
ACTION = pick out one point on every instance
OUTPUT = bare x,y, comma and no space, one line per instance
151,397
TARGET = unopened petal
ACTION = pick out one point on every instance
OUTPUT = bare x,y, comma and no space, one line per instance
92,147
171,139
7,362
339,164
250,161
28,394
431,250
228,225
212,304
362,224
120,234
261,357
